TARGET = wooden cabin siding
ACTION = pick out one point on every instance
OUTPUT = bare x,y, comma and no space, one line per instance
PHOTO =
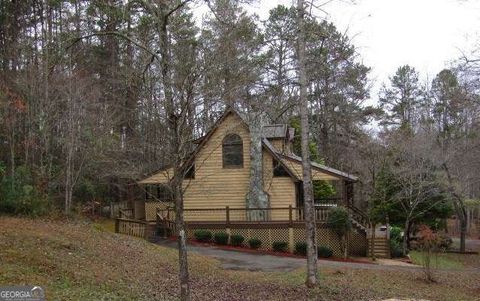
215,186
161,177
218,187
281,190
283,146
279,144
296,168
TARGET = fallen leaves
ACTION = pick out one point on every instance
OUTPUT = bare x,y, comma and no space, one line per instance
73,260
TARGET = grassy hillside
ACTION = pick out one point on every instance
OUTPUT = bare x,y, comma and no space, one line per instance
83,261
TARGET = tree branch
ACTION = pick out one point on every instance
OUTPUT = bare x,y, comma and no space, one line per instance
118,34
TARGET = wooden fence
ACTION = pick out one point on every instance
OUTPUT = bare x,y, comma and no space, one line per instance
125,213
135,227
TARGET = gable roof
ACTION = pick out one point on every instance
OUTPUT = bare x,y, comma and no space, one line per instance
164,175
328,170
275,154
270,132
275,131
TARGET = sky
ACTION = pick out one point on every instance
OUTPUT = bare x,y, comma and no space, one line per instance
426,34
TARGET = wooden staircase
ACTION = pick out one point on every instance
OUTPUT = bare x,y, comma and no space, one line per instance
381,247
360,221
359,226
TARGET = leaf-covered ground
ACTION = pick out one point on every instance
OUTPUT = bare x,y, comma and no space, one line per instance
77,260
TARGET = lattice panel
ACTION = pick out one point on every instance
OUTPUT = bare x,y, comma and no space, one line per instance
326,237
191,231
267,236
357,244
299,235
246,233
151,210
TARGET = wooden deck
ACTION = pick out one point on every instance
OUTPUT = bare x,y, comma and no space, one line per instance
288,226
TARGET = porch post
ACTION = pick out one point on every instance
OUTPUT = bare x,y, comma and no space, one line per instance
227,217
227,221
291,240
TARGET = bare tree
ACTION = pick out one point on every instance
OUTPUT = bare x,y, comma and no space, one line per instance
306,165
175,110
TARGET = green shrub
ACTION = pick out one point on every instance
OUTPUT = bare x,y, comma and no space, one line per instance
203,235
221,238
19,195
396,233
301,248
254,243
396,249
280,246
444,241
339,221
236,240
324,252
396,241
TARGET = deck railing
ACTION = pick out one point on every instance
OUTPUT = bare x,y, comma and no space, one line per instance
269,225
231,215
130,227
125,213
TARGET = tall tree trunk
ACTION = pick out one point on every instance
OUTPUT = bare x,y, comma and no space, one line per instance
68,178
406,237
459,208
306,165
182,241
256,197
461,213
177,150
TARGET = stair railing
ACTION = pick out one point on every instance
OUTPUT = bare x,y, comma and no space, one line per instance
360,216
125,213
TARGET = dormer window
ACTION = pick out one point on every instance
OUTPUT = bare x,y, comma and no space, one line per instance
279,170
190,174
232,151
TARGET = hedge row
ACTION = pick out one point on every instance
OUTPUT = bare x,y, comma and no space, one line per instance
222,238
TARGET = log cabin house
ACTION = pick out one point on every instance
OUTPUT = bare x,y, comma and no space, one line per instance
217,183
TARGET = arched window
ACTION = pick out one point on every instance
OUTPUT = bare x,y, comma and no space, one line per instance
232,151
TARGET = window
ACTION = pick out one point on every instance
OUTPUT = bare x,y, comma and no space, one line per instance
158,193
232,151
151,192
190,174
164,193
279,170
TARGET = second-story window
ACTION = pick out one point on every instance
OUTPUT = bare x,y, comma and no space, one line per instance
232,151
190,173
279,170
